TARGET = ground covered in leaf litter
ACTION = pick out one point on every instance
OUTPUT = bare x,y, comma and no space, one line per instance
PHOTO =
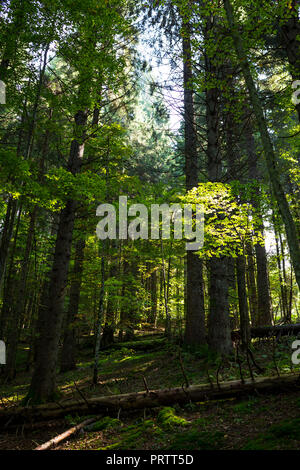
258,422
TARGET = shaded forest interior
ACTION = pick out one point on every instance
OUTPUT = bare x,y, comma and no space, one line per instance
168,105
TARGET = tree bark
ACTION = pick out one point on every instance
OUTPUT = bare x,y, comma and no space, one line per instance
219,338
195,311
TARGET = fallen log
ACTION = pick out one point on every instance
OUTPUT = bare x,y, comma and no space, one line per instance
151,399
62,437
277,330
268,331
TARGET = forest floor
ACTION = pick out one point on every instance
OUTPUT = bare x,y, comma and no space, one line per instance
255,422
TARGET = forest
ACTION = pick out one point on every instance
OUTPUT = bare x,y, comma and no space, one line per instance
149,225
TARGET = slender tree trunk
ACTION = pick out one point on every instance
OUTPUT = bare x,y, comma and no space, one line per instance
99,318
153,308
68,359
43,383
281,283
231,155
123,306
251,282
264,303
291,295
11,36
11,209
7,233
7,307
17,24
285,280
284,209
263,287
110,316
166,289
19,304
243,302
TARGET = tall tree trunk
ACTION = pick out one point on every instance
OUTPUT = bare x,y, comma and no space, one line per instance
219,332
195,311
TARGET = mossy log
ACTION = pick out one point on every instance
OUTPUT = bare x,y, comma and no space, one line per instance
150,399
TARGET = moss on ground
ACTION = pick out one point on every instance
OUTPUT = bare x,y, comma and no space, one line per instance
133,436
278,436
245,407
167,432
168,419
105,423
197,440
